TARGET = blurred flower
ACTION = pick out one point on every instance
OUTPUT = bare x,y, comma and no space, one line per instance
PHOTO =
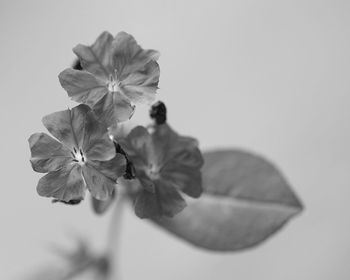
116,73
165,163
84,158
78,263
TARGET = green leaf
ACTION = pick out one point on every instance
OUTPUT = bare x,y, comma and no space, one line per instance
245,200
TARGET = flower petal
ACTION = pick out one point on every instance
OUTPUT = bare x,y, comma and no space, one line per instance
141,86
98,184
65,184
128,56
184,178
47,154
113,108
68,125
170,200
97,145
146,205
171,146
139,148
97,59
82,86
113,168
187,153
181,160
164,140
145,181
166,201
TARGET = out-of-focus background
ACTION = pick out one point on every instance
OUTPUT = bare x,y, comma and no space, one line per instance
268,76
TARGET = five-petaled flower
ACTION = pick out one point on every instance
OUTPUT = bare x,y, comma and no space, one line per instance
165,163
84,158
117,73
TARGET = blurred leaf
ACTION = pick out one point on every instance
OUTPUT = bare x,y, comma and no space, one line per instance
245,200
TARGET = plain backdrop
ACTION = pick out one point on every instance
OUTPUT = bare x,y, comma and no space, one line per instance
269,76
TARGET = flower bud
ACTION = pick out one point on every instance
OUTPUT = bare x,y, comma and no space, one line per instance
158,113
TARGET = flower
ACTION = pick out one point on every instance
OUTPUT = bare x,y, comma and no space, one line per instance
84,158
116,73
165,163
79,262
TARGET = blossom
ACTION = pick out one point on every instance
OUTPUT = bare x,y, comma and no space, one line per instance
117,73
77,262
165,163
83,157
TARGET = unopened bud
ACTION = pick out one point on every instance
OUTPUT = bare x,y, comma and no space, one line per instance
158,113
77,65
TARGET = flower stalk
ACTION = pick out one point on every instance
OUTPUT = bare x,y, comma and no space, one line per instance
114,235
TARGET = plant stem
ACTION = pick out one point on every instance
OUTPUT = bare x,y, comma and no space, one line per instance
114,235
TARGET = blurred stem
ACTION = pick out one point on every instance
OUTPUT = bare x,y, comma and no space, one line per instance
113,247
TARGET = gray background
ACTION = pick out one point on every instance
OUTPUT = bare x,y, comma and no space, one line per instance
270,76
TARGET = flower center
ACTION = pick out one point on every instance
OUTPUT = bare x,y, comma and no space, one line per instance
78,156
113,83
153,172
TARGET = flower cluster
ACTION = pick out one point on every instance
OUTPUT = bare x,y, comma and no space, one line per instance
116,75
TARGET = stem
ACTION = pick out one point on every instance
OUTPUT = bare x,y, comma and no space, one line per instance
114,235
